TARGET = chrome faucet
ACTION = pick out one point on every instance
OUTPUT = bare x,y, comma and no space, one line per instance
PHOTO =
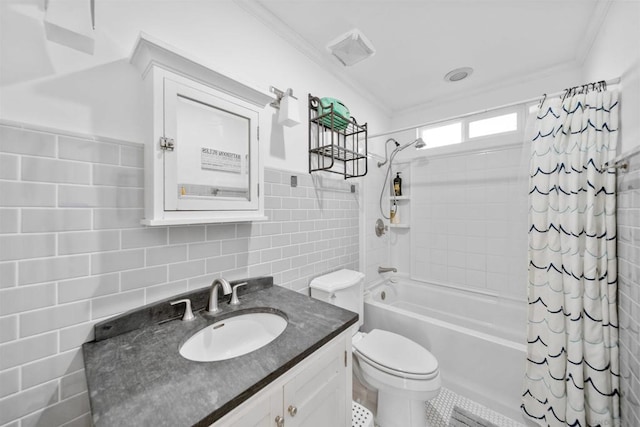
213,295
387,269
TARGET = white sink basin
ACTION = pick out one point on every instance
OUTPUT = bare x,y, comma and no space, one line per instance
233,337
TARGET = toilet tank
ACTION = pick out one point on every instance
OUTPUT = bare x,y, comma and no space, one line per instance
343,288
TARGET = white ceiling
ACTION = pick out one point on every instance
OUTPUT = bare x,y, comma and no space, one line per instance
418,41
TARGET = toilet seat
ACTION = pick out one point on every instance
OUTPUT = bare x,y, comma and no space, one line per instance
396,355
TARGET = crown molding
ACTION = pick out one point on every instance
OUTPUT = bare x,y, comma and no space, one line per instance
594,25
280,28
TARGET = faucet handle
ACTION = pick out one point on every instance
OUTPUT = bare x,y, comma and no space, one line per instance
188,314
234,293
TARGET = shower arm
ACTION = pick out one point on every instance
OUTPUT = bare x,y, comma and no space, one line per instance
419,143
386,156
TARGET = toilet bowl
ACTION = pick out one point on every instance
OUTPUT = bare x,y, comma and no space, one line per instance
404,373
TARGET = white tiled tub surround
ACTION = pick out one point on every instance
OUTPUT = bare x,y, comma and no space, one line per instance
469,229
72,252
628,200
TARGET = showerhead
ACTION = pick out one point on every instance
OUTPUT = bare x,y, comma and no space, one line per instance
420,143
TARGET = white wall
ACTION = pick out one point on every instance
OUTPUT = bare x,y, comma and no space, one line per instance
46,84
616,53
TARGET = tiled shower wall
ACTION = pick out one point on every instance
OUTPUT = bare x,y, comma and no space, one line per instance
629,291
72,252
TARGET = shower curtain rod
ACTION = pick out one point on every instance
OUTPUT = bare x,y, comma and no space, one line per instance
622,161
610,82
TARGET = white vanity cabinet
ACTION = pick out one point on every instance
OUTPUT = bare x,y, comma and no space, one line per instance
314,393
202,155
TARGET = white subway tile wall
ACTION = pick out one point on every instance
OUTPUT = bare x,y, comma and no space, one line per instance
469,221
73,252
628,201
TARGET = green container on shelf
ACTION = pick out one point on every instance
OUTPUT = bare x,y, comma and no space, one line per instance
341,114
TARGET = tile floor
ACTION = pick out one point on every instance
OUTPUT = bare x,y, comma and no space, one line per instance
439,409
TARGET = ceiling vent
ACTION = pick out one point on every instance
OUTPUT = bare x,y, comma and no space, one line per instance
351,48
458,74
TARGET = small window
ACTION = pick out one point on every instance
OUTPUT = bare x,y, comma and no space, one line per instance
493,125
442,135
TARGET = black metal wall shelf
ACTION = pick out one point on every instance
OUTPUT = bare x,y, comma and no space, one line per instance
336,144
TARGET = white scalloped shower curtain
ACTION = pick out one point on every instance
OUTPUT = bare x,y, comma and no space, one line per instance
572,371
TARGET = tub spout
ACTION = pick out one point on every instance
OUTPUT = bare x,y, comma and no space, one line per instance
387,269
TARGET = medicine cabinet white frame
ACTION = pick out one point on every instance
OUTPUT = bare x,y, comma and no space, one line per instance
168,73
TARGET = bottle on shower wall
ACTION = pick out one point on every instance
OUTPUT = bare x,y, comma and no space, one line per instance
394,215
397,185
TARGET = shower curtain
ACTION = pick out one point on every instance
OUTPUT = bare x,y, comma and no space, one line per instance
572,372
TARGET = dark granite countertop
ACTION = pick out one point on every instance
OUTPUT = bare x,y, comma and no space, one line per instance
136,376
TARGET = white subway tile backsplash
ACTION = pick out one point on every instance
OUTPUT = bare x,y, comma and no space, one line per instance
26,194
8,328
221,263
44,269
156,293
73,384
226,231
74,336
259,242
234,246
88,241
22,351
56,317
9,382
51,220
134,279
88,287
185,270
51,170
9,221
28,401
132,156
23,141
88,151
117,261
166,254
15,247
60,413
144,237
117,218
117,176
23,298
9,166
113,304
189,234
204,250
99,197
50,368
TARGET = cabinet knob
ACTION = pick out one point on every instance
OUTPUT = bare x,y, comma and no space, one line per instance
279,421
292,410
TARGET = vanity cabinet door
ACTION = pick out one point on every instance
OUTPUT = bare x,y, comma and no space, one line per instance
317,396
212,163
315,393
258,412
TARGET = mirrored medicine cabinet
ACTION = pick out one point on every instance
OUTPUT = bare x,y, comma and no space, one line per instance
202,158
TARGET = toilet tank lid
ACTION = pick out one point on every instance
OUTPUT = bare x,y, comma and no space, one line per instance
337,280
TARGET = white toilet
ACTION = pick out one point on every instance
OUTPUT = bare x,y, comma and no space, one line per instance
404,373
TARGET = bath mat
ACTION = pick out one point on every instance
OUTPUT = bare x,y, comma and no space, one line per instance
463,418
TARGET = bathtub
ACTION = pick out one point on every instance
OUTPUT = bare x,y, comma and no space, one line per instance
477,338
